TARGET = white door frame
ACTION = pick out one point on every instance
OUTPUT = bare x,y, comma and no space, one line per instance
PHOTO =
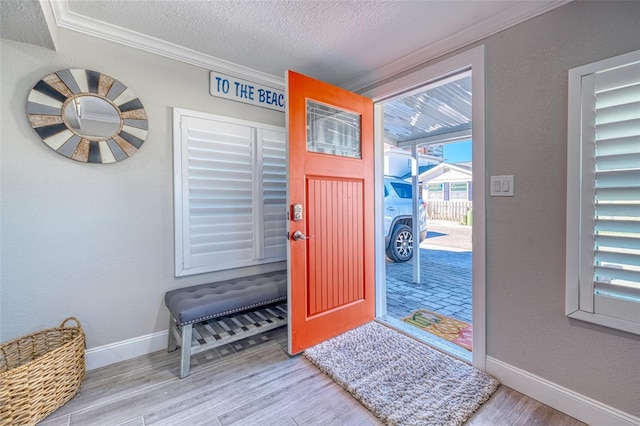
473,59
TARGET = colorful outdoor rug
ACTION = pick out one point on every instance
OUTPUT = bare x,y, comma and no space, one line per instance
401,380
450,329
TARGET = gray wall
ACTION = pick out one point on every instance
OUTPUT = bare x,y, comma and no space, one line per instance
526,136
97,241
526,131
94,241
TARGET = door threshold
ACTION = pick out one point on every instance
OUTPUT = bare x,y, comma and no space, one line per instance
434,341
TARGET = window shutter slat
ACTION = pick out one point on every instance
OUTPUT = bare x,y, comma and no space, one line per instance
620,129
617,274
618,210
617,257
618,145
619,178
618,112
615,78
626,161
620,241
631,226
619,96
618,194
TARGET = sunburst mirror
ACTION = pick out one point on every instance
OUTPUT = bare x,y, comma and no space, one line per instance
87,116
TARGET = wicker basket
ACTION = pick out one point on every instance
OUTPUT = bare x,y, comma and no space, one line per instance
40,372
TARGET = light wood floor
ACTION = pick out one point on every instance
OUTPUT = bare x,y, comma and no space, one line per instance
251,382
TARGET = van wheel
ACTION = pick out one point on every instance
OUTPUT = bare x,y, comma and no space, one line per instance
401,244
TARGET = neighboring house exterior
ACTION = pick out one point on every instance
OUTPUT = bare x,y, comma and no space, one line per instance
438,180
448,191
447,182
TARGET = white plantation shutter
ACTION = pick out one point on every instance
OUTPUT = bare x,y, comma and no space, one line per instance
225,212
608,208
274,190
220,193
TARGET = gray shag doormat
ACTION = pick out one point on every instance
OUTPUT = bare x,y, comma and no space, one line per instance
400,380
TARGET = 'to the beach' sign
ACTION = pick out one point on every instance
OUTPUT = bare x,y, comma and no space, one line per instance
236,89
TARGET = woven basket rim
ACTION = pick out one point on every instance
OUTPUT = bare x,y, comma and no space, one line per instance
74,340
45,330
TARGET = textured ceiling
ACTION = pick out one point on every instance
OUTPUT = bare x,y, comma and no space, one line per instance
332,40
349,43
24,21
343,42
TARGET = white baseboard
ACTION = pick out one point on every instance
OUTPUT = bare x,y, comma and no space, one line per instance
126,349
569,402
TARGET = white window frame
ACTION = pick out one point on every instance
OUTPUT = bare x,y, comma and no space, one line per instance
429,192
466,191
621,311
260,255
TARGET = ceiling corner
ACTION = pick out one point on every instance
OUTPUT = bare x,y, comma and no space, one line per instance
50,19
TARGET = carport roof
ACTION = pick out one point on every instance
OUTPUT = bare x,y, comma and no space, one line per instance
437,113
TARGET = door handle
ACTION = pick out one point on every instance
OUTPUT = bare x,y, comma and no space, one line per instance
300,236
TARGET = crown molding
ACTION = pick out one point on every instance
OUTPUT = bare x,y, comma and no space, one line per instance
514,15
499,22
72,21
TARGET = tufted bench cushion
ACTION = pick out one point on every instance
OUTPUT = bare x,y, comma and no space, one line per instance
202,302
209,315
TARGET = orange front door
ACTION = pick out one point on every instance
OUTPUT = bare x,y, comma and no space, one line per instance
331,235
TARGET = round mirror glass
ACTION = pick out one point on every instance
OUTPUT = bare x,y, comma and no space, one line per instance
92,117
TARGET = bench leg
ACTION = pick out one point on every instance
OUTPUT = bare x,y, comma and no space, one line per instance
172,343
185,350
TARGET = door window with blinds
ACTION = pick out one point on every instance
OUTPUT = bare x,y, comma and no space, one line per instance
603,193
230,193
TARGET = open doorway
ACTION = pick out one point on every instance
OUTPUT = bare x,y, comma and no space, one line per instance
437,304
428,144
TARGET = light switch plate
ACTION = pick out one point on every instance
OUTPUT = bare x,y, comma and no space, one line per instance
501,186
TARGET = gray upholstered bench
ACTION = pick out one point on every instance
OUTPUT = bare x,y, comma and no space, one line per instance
209,315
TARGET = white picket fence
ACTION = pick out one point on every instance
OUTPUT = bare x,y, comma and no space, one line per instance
453,210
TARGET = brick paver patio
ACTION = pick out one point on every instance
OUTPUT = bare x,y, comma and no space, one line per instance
445,276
